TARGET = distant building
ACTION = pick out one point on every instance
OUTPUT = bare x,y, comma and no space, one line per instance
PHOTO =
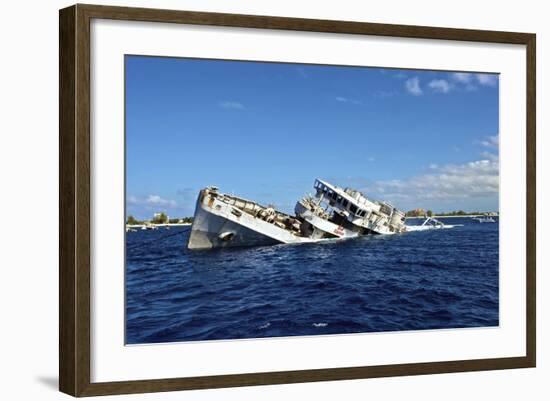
416,212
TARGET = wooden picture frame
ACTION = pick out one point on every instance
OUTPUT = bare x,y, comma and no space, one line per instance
74,200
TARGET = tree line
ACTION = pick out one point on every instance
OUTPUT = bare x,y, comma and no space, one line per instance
160,218
429,213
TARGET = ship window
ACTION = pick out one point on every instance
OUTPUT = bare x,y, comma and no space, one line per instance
353,209
345,203
334,196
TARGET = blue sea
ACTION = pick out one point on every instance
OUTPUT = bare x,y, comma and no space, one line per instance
414,281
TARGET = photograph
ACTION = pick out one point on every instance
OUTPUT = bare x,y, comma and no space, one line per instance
274,199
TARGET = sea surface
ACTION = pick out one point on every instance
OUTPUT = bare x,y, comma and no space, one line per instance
414,281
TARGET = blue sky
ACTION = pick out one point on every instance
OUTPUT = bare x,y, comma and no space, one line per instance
265,131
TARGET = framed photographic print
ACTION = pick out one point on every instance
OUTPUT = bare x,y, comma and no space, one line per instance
250,200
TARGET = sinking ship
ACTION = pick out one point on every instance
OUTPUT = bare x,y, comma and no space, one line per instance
332,213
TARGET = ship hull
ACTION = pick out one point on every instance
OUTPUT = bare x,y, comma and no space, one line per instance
208,232
219,225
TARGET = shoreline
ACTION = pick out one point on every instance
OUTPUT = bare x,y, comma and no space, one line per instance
446,217
157,225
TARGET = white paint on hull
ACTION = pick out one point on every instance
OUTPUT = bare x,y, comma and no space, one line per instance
227,221
218,224
323,225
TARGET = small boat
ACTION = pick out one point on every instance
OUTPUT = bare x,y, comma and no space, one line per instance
431,223
149,226
484,219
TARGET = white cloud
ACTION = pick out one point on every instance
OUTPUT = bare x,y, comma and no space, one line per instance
477,179
467,186
469,81
487,79
158,201
132,200
490,141
151,200
143,207
413,86
450,183
462,77
232,105
489,155
440,86
343,99
492,145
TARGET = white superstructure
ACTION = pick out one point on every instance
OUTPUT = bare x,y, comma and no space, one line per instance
351,210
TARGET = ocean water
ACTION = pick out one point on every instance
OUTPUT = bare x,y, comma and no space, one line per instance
419,280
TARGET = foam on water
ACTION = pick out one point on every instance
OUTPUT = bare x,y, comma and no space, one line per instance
425,228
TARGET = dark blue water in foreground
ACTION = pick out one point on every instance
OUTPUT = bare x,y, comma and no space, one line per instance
418,280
